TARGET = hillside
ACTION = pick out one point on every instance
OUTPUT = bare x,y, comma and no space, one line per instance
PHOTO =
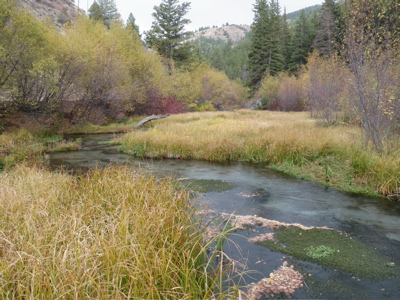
232,32
59,11
293,16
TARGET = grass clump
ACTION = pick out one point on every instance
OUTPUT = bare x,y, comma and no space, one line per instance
26,146
289,142
108,234
333,249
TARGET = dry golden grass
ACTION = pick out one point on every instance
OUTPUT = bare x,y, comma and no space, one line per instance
109,234
292,142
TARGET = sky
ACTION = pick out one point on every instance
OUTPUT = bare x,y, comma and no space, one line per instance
202,13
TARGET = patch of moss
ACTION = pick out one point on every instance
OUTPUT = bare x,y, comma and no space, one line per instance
207,185
349,254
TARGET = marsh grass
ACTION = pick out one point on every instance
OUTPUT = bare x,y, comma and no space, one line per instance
29,147
124,125
107,234
289,142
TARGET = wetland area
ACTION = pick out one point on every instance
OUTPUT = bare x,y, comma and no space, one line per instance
370,225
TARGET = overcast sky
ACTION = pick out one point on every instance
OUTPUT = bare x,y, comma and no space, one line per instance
202,12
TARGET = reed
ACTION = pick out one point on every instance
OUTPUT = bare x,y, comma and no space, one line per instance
290,142
108,234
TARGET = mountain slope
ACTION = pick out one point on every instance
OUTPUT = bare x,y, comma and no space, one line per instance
59,11
232,32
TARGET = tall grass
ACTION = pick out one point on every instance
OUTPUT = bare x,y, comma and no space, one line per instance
291,142
29,147
108,234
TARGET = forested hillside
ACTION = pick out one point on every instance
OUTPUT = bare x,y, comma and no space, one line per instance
96,68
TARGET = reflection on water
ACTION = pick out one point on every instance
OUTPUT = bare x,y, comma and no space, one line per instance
252,189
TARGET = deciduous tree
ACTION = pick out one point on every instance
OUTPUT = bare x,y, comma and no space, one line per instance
372,53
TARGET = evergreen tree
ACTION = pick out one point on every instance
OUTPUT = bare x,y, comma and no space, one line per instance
265,54
168,29
330,28
105,10
286,39
96,12
301,44
131,23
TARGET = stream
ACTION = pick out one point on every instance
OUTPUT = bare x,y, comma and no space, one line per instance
253,189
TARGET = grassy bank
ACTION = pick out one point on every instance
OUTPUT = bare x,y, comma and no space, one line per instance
109,234
29,147
290,142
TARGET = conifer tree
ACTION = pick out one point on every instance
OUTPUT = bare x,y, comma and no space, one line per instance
105,10
302,40
131,23
168,29
265,54
286,39
330,28
96,12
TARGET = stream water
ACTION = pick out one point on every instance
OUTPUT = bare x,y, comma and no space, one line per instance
253,189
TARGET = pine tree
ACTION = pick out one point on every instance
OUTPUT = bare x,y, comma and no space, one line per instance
286,39
330,28
265,54
168,28
301,44
131,23
95,12
105,10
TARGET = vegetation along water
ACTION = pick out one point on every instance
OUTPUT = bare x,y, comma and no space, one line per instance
313,94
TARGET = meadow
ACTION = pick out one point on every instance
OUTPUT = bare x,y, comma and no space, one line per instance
290,142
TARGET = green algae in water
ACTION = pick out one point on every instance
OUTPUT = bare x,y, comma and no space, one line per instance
348,254
206,185
319,252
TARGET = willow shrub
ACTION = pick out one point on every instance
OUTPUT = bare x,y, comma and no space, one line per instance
291,142
107,234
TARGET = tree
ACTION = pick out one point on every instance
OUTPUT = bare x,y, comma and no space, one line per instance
286,39
168,28
301,43
105,10
265,54
371,50
28,80
131,23
329,35
96,12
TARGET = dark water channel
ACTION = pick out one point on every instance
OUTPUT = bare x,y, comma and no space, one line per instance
252,189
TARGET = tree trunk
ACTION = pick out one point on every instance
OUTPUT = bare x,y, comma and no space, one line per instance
148,119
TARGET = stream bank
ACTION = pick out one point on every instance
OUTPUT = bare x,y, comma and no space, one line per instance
252,189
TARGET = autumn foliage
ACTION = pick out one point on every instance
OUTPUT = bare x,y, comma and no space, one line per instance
92,72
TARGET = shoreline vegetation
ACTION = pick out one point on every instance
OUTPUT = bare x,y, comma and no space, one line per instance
293,143
117,233
106,234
